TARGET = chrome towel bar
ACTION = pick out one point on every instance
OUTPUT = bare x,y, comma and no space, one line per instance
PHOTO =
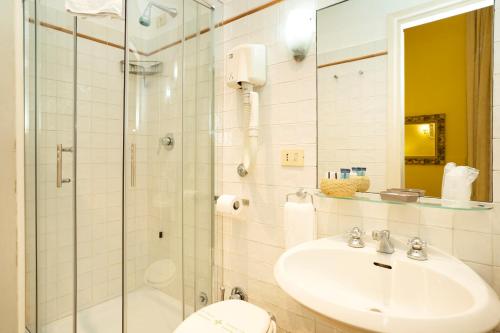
301,194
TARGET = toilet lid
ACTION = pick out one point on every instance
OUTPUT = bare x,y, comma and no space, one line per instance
160,272
232,316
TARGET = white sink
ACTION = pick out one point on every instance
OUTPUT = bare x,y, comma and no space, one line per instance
440,295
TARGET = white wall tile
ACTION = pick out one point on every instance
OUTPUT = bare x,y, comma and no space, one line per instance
436,217
473,246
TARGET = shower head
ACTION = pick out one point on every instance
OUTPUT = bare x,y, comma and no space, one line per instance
145,18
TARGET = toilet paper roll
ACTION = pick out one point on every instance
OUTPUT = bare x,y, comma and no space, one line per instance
229,204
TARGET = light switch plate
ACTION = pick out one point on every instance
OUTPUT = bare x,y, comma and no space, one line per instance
292,157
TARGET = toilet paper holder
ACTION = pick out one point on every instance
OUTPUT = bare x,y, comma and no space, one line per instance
301,194
245,202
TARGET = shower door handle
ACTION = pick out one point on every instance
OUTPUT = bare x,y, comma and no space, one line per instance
133,164
59,178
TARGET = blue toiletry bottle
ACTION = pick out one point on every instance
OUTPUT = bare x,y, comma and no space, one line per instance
344,173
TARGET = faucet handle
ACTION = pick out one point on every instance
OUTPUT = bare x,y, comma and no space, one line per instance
355,238
378,234
417,244
417,249
355,233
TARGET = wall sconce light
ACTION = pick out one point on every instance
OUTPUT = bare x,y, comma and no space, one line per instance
427,130
299,32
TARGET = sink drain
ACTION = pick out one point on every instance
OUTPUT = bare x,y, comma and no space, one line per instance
376,310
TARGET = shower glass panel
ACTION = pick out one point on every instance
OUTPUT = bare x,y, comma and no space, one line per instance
168,163
73,155
30,165
153,198
197,155
52,136
99,179
118,166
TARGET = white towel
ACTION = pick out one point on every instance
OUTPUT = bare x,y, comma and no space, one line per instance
95,7
299,223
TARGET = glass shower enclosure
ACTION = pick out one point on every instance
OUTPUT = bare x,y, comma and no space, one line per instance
118,166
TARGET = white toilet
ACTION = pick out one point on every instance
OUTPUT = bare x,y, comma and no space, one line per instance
233,316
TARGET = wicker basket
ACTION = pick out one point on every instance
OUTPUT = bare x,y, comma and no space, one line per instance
362,183
344,188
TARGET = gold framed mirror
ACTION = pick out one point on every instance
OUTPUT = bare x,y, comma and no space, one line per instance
425,139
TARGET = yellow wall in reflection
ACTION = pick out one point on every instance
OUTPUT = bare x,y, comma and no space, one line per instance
435,82
420,140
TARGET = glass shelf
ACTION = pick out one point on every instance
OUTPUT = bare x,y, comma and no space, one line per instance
422,202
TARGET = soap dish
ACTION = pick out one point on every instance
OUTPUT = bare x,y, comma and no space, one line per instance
399,196
420,192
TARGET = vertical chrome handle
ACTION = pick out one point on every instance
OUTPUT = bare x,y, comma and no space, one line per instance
59,166
59,179
133,163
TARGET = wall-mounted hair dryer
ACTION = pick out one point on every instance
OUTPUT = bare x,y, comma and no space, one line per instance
246,70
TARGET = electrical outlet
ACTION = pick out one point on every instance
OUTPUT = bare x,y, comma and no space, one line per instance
292,157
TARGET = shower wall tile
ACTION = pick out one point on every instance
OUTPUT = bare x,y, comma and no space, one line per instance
248,245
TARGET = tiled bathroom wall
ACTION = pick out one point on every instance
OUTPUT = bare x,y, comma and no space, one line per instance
249,245
352,106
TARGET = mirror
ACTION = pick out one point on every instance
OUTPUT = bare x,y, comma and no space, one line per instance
425,139
403,110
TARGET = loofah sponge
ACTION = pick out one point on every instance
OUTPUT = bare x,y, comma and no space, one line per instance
362,183
345,188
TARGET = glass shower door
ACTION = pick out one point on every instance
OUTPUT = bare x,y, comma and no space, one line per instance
53,123
153,168
30,166
74,159
197,178
99,168
168,164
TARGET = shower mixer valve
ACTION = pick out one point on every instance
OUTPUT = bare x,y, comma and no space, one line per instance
167,141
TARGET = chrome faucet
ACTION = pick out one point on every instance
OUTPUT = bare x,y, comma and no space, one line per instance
384,238
354,238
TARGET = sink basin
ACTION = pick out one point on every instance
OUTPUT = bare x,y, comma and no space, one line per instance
388,292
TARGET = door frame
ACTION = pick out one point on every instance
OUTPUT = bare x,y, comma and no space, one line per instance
396,24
